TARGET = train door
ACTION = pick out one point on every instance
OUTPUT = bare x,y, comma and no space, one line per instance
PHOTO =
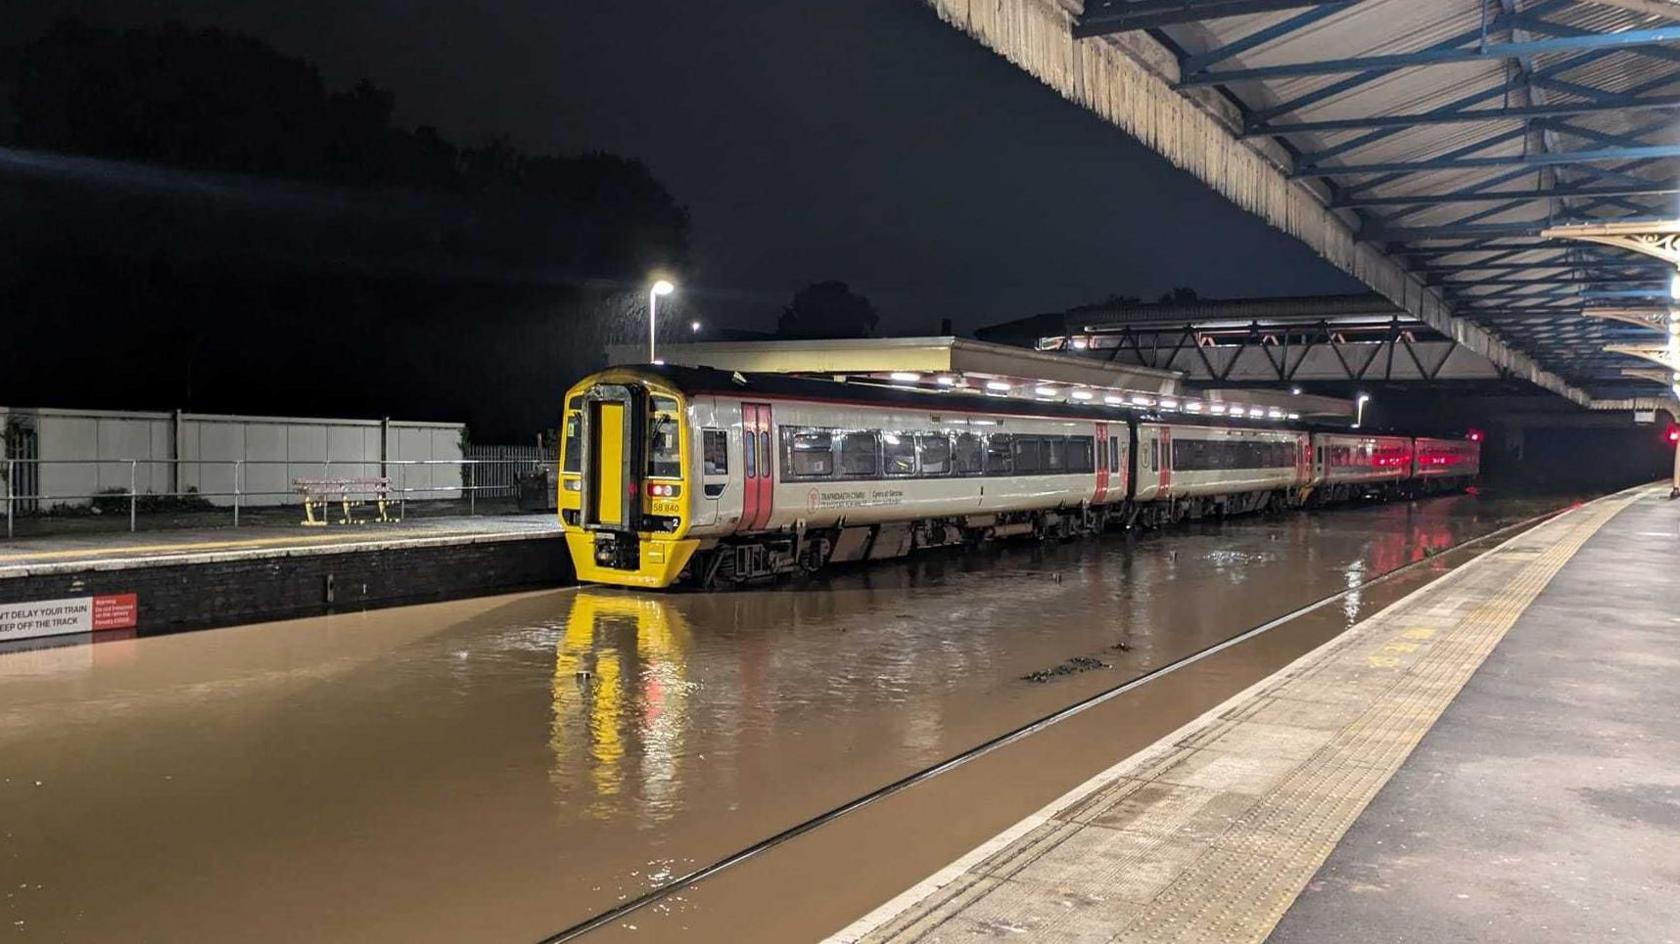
1102,442
758,460
1119,465
1162,455
611,487
714,461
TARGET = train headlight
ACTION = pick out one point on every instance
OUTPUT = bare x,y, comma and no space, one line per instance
572,485
662,490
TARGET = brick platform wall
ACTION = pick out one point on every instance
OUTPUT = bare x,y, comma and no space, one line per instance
226,593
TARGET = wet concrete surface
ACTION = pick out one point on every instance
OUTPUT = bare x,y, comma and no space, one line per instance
501,768
1545,804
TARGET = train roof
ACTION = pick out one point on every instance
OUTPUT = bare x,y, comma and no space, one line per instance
708,380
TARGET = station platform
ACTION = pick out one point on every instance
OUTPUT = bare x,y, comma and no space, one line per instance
1494,757
196,578
46,554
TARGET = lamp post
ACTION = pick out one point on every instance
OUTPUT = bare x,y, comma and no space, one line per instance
659,287
1360,417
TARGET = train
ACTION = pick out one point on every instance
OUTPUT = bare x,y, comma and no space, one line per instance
714,478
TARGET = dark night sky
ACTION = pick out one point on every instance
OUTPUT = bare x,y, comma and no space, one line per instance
860,140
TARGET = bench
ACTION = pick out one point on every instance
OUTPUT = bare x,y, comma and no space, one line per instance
349,494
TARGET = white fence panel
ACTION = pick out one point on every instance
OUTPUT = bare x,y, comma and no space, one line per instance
84,452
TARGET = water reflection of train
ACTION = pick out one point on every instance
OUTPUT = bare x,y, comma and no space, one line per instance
670,473
621,658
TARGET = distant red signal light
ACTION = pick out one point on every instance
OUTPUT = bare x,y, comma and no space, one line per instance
1673,435
1475,435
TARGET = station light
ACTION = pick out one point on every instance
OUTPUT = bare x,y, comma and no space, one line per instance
1142,401
1113,400
1193,407
1169,404
1080,344
1294,391
694,327
1082,394
1217,409
998,385
1294,416
1045,391
905,376
945,380
1274,414
659,288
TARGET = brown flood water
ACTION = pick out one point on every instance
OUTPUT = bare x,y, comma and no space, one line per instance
498,769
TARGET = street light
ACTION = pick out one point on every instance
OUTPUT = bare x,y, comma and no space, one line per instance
660,287
1360,418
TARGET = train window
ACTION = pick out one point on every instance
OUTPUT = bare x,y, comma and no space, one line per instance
1028,455
664,447
935,453
1000,454
749,454
1055,454
574,442
1114,453
860,455
898,453
715,448
1154,455
968,454
1213,454
575,403
810,455
1190,455
1081,455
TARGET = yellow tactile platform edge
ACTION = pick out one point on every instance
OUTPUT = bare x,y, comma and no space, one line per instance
1210,835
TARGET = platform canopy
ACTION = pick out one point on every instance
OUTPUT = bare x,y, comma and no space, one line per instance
1421,145
949,364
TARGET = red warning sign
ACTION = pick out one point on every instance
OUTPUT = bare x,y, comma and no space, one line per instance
116,611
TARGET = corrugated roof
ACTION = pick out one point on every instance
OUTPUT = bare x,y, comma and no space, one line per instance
1462,202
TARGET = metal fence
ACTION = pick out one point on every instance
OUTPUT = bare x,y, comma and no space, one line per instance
498,468
403,480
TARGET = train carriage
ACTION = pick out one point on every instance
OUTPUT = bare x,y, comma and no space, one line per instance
1189,470
670,473
1445,464
1351,465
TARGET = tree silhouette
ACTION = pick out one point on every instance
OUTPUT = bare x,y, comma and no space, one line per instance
827,310
259,218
